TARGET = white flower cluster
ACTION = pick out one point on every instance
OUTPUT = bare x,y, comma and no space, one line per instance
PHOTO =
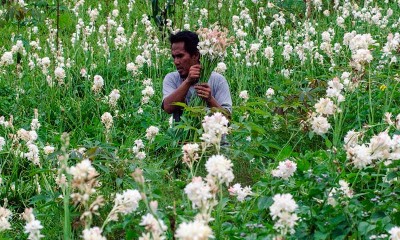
6,124
2,143
213,42
5,216
30,137
285,169
125,203
131,67
270,93
107,120
220,168
341,193
198,230
199,192
244,95
84,180
6,59
359,44
190,154
282,211
239,192
326,107
269,55
98,83
221,68
136,149
394,233
120,40
151,133
148,91
155,227
113,98
214,127
33,226
60,75
92,234
48,149
380,147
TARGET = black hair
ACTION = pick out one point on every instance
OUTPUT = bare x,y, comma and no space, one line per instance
190,39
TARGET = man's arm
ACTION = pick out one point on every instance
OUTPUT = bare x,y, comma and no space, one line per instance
177,96
223,95
180,93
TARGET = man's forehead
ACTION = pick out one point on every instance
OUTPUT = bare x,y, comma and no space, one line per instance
179,46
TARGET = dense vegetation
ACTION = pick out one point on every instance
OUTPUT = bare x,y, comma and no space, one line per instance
86,150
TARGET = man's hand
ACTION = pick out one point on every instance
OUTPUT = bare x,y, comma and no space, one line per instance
204,91
194,74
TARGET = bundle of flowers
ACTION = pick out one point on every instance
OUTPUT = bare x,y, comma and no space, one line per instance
212,48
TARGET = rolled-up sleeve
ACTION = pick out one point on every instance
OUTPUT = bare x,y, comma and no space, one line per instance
169,85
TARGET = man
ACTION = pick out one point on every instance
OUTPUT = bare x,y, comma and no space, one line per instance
179,86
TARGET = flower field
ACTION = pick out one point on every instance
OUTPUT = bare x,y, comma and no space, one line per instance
310,151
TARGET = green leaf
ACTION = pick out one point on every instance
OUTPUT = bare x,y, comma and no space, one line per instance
264,203
284,153
365,227
328,143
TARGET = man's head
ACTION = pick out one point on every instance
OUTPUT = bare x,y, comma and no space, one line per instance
184,51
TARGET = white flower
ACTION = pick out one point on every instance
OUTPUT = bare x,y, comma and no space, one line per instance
125,203
2,143
214,127
33,229
351,139
380,146
198,192
92,234
244,95
270,92
285,169
362,56
221,67
83,171
282,210
5,216
190,152
35,124
221,168
113,97
148,91
98,83
359,155
107,120
32,226
6,59
344,187
45,62
33,154
394,233
156,227
151,132
325,106
59,72
241,193
140,155
320,125
48,150
196,230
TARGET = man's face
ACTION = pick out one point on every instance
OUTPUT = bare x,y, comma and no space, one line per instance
182,59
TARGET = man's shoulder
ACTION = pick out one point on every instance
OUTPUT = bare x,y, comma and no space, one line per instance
217,78
217,75
172,76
